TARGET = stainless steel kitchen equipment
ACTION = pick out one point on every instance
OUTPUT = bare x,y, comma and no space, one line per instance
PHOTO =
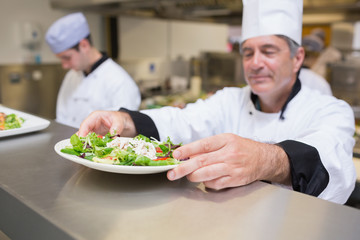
346,35
224,11
221,69
345,82
31,88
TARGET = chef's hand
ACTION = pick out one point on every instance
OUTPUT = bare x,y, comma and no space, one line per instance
228,160
102,122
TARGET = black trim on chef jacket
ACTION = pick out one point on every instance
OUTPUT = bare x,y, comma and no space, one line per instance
103,58
308,174
143,123
296,88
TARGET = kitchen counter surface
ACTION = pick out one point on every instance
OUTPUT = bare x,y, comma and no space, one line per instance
43,196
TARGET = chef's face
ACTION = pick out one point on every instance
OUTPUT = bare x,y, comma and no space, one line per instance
72,59
268,66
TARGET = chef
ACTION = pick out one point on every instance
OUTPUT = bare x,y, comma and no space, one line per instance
274,129
94,81
313,44
313,80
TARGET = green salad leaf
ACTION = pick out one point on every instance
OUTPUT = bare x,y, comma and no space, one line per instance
12,121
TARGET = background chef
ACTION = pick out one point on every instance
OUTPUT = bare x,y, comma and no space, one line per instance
315,81
313,45
274,129
94,82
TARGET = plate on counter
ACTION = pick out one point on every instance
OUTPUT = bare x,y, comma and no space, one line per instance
31,124
109,167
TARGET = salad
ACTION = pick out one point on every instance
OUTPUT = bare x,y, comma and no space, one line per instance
10,121
113,149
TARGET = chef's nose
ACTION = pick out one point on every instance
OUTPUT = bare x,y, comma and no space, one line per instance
257,60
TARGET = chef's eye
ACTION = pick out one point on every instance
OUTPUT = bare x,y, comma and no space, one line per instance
247,54
269,51
65,58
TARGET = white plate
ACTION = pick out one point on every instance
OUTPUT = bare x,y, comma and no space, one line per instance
31,124
109,167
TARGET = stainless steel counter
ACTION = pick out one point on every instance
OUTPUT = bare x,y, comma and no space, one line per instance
43,196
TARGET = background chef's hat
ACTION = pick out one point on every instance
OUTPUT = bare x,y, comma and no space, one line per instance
66,32
313,43
270,17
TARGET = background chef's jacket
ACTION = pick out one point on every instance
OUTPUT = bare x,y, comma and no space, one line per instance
108,87
314,81
312,123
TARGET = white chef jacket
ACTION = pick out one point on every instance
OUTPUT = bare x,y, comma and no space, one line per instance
313,80
108,87
314,119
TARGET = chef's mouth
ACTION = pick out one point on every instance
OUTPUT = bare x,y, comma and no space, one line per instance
258,78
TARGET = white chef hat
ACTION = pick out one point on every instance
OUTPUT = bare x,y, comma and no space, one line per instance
272,17
66,32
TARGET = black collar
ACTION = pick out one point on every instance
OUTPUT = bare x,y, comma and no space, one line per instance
296,88
103,58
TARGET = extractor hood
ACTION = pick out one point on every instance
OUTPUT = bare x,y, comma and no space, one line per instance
224,11
198,10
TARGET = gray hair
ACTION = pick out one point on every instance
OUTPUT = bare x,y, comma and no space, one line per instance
293,46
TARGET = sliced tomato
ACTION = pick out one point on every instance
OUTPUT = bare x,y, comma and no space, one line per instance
2,121
158,150
160,159
111,158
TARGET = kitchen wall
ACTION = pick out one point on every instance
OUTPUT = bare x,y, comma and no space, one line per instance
138,37
154,38
149,47
14,14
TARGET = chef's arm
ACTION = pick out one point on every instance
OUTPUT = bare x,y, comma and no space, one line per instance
275,164
142,123
300,166
308,174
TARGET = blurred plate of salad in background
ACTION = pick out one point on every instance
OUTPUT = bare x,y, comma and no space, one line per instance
18,122
138,155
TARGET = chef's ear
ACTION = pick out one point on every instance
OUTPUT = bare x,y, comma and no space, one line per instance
84,44
299,58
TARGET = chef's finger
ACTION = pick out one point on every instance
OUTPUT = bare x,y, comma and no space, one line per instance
85,127
193,164
116,128
209,172
95,122
220,183
119,121
204,145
